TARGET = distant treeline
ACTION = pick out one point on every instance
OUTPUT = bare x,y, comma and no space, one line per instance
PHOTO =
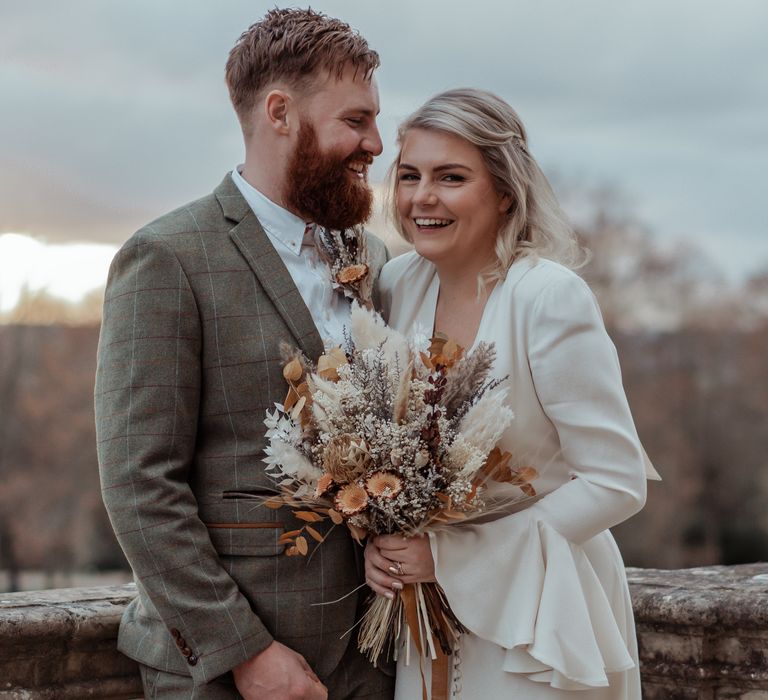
699,397
692,351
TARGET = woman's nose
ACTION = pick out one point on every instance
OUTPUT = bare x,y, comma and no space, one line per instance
424,194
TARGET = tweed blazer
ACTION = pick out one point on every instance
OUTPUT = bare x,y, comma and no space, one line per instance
196,306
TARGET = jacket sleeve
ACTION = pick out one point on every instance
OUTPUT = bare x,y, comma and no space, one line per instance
147,395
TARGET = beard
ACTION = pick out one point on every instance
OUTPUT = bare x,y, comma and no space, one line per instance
319,186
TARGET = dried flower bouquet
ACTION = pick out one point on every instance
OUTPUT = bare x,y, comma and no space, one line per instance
386,438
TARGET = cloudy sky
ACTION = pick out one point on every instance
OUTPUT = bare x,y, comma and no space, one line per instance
112,113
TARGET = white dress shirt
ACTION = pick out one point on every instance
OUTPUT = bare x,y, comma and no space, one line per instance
329,309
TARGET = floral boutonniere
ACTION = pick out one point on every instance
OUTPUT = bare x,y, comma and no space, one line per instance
346,254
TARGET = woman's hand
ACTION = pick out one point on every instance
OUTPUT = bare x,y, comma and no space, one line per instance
392,561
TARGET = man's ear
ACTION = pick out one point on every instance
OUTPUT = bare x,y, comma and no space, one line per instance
278,107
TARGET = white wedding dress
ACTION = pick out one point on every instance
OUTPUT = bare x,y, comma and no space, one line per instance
542,590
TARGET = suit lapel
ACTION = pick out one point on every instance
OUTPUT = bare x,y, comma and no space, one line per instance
253,243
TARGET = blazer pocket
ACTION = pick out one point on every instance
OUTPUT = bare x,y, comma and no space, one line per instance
247,539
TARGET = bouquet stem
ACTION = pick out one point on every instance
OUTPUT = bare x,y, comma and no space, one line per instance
380,626
423,609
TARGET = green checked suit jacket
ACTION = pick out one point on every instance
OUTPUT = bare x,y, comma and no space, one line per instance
196,306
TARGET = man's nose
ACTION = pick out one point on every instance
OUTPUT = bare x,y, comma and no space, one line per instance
372,141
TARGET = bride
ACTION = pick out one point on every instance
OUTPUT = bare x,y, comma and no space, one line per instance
542,591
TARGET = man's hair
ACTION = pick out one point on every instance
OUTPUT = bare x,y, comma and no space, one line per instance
291,46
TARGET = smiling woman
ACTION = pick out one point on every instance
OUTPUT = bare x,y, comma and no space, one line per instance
64,271
472,199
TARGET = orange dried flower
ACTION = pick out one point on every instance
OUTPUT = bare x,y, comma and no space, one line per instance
293,371
329,363
351,499
443,352
352,274
384,484
323,484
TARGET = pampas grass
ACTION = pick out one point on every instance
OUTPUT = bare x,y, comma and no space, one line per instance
485,422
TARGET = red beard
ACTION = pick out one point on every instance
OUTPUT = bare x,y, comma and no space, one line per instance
319,186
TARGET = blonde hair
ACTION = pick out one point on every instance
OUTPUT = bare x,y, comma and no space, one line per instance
534,224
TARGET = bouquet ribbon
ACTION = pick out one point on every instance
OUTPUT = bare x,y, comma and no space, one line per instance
441,664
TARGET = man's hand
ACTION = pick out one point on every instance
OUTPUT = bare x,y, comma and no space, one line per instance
278,673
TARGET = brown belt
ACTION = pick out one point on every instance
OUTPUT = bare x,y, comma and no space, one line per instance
245,526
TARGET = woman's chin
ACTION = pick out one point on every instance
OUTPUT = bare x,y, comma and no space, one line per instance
433,250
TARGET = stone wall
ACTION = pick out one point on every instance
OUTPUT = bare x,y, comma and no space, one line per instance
60,645
703,634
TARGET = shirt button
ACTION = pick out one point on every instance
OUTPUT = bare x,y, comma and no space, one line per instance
192,660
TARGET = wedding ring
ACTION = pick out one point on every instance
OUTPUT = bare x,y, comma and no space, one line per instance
397,569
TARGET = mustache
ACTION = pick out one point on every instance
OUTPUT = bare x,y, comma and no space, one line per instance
359,157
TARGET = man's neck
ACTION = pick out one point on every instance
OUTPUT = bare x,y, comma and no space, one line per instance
266,183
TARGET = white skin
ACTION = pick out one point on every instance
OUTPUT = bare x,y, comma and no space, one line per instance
343,113
278,673
451,210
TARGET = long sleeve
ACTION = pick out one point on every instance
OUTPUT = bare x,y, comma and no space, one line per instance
529,581
147,395
578,382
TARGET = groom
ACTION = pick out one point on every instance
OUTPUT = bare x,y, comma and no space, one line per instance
197,305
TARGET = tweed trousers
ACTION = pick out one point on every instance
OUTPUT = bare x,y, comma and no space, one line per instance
353,679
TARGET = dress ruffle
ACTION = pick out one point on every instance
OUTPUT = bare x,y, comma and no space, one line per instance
540,598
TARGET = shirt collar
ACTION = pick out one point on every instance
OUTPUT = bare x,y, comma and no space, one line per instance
281,226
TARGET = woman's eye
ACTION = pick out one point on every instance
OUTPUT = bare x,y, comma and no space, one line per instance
408,177
453,178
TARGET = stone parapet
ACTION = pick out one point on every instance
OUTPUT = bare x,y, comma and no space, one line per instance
703,634
61,645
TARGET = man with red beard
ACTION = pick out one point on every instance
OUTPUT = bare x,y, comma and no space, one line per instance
197,305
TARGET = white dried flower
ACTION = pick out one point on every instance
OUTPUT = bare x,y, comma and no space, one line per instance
287,461
464,458
421,459
487,420
369,332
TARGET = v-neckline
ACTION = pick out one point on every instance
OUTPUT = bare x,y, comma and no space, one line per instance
430,309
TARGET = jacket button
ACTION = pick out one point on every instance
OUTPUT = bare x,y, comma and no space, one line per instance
186,651
175,633
192,660
180,642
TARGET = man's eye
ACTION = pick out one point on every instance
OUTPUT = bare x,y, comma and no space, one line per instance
354,121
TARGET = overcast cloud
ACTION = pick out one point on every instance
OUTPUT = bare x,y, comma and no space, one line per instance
114,112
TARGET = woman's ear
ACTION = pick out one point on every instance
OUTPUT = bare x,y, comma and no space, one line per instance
505,203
